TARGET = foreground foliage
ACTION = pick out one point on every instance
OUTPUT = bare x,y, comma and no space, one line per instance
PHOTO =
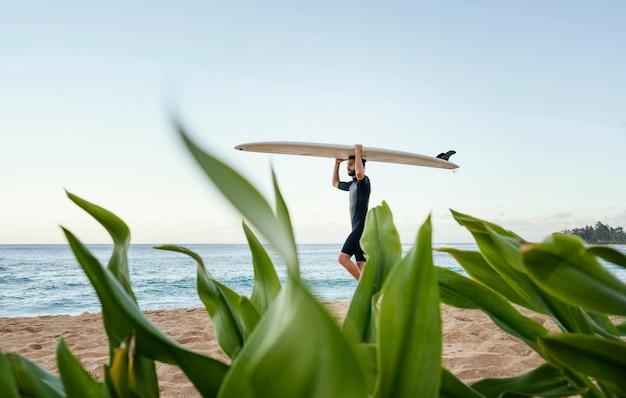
282,342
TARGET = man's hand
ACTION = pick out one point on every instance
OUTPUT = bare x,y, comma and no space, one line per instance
358,148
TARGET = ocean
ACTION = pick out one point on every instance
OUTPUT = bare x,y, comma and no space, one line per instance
47,280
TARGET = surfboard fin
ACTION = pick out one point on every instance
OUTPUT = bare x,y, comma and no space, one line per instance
446,156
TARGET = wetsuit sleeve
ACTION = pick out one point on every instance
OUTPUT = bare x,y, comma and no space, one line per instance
344,186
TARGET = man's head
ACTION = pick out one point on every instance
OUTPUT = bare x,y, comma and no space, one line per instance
351,159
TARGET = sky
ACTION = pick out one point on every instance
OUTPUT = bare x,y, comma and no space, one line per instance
530,94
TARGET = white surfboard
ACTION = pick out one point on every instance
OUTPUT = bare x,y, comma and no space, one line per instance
344,151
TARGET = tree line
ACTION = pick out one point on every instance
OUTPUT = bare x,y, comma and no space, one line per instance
599,234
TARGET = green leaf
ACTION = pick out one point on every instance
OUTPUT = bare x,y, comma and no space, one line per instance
119,372
8,386
367,355
120,233
234,317
495,242
32,381
284,221
297,350
544,381
76,380
126,373
122,316
266,282
381,242
118,266
609,254
479,269
501,250
249,202
452,387
602,359
621,328
562,266
410,342
459,291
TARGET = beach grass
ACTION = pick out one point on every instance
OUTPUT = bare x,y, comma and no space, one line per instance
282,342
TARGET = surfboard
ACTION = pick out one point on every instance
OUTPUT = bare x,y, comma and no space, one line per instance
336,151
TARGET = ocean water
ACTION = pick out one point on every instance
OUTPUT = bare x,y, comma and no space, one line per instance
47,280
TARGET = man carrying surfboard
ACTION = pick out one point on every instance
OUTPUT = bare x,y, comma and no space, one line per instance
359,189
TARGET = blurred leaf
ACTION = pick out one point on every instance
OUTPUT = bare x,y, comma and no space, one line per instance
266,282
501,250
32,381
297,350
608,254
234,317
127,375
410,343
367,356
621,328
77,382
602,325
8,386
561,265
495,243
120,370
452,387
123,316
284,221
382,244
604,360
497,248
459,291
249,202
479,269
544,381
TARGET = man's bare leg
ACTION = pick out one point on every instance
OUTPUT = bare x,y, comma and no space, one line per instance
360,265
353,269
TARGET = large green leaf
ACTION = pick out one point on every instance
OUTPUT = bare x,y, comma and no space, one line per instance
234,317
8,386
545,381
77,382
498,247
249,202
410,342
461,292
479,269
297,350
118,266
381,242
452,387
562,266
602,359
266,283
123,316
32,381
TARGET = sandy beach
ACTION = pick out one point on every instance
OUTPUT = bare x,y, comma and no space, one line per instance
474,347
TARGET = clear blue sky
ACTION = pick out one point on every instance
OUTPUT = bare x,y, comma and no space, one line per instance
531,95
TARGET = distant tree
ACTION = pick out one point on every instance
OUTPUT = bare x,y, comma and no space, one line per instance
599,234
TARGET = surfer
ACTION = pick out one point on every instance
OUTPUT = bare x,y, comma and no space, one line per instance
359,189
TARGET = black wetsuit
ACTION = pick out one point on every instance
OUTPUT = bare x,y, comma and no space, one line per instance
359,202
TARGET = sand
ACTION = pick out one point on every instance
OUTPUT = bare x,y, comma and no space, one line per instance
474,347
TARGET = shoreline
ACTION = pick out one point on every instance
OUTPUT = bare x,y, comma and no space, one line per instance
474,348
